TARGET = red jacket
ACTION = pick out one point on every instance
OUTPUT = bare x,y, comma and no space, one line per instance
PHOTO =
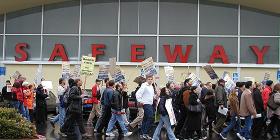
19,93
265,95
94,91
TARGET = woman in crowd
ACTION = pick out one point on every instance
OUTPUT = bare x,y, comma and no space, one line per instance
193,120
165,94
258,123
20,98
274,115
124,94
41,105
234,111
27,94
209,101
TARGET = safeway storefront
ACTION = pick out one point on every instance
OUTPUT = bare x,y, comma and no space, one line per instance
187,34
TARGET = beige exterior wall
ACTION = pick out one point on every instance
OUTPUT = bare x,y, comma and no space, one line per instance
53,72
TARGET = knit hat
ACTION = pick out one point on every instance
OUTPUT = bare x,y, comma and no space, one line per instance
269,82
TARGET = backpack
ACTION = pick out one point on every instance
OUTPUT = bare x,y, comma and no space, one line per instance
271,104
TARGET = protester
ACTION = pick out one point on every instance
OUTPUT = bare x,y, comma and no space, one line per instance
182,103
124,94
26,100
220,102
30,101
74,110
106,114
247,110
61,89
164,118
274,114
140,114
194,114
95,102
7,94
145,97
20,98
266,92
234,113
41,105
117,107
258,123
209,102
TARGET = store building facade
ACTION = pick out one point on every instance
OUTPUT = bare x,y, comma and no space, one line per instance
187,34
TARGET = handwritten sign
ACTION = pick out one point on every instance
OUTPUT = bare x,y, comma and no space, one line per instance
210,71
65,70
195,79
87,65
148,66
169,73
119,77
103,72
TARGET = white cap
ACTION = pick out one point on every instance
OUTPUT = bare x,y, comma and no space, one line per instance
25,83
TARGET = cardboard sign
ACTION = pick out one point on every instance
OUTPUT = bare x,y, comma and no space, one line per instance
229,85
65,70
112,64
16,75
76,73
266,76
87,65
148,66
103,72
169,73
119,77
195,79
47,85
210,71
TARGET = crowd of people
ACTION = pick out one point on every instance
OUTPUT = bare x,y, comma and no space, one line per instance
252,109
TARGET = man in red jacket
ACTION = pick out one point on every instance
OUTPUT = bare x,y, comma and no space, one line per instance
95,101
266,92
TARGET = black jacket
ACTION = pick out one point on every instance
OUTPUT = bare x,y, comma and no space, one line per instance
125,99
117,101
75,100
162,109
257,97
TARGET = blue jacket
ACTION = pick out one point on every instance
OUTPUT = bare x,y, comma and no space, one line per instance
107,97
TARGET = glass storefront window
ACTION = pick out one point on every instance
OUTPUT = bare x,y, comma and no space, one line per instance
211,14
99,17
1,24
207,45
255,22
178,17
248,56
126,43
109,43
70,43
172,42
33,50
62,18
26,21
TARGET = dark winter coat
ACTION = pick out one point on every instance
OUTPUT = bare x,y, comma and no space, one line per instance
117,101
75,100
193,118
257,97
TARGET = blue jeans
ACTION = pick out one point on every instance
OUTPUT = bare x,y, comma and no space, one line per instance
148,119
164,120
26,112
246,130
20,107
234,123
60,117
115,117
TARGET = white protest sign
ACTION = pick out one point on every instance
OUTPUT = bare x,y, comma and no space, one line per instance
169,73
47,85
170,111
76,73
103,72
65,70
119,77
229,85
38,76
87,65
112,64
148,66
195,79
